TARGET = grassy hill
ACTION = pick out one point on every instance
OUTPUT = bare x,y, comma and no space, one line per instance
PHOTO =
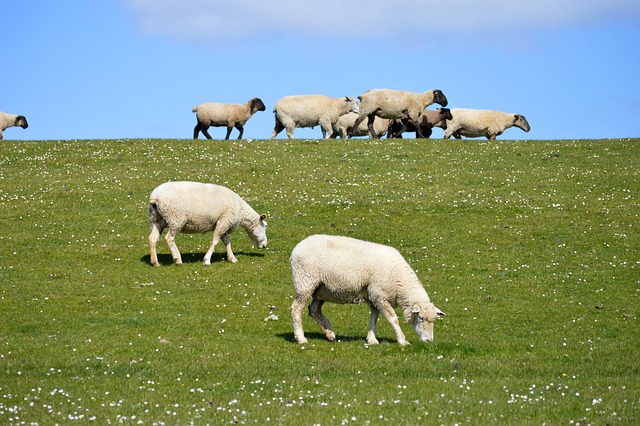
532,249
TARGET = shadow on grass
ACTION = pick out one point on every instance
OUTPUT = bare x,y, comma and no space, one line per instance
312,337
167,259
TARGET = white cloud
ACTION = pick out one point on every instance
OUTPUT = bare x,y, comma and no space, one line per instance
216,21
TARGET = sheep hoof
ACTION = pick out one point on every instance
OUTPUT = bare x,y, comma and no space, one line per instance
373,341
233,260
301,340
331,336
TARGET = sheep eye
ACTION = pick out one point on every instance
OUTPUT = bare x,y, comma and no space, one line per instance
421,318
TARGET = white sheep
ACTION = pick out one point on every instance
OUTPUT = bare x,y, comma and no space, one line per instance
310,111
344,127
481,122
346,270
427,121
391,104
12,120
225,115
194,207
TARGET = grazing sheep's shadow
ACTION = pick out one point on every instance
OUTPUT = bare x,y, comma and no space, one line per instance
317,336
188,258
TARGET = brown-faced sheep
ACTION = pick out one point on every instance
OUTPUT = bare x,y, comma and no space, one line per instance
12,120
393,104
310,111
225,115
478,122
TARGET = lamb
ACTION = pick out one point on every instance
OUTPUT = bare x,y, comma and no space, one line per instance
386,103
194,207
488,123
310,111
346,270
428,120
344,127
225,115
12,120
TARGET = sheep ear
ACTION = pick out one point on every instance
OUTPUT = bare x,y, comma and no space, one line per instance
415,310
440,313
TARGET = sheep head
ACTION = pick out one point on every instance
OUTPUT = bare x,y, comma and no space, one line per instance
439,98
521,122
422,317
256,104
21,121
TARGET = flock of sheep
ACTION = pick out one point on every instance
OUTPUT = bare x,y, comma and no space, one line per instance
387,112
324,268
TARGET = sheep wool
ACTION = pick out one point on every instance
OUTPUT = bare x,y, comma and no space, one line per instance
11,120
344,127
340,269
194,207
309,111
481,122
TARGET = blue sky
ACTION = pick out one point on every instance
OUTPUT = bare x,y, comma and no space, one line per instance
82,69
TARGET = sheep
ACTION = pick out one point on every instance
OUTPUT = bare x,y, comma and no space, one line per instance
340,269
12,120
386,103
477,122
225,115
194,207
344,127
310,111
428,120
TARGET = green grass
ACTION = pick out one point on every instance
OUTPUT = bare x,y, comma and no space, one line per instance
531,248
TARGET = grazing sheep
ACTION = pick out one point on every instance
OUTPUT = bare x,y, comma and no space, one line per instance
478,122
12,120
225,115
386,103
310,111
344,127
194,207
427,120
345,270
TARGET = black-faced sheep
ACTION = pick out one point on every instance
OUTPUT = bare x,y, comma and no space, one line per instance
428,120
225,115
310,111
396,104
12,120
478,122
344,127
194,207
345,270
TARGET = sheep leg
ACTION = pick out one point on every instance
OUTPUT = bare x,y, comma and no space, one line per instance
277,129
196,130
326,128
373,320
229,128
227,244
352,131
315,310
154,236
371,119
171,242
297,307
240,129
205,132
390,315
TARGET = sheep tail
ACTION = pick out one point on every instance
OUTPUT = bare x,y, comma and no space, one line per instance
195,109
154,214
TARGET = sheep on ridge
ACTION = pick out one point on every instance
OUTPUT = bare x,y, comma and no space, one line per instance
194,207
481,122
310,111
391,104
12,120
225,115
344,127
428,120
338,269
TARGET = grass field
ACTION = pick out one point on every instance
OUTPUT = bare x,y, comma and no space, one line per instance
532,249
